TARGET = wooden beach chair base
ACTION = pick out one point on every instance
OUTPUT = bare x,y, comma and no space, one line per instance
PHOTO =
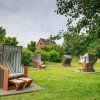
27,81
85,67
42,66
18,83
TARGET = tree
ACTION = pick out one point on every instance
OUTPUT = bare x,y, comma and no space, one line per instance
7,40
89,10
87,15
26,56
11,41
74,44
86,12
2,33
94,48
31,46
52,39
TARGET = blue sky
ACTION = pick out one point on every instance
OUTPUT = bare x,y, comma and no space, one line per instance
29,20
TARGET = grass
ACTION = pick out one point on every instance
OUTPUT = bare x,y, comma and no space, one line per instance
62,83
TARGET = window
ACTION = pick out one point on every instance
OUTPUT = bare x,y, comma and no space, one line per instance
40,43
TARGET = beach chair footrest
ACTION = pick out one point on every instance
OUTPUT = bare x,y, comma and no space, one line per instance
18,83
27,81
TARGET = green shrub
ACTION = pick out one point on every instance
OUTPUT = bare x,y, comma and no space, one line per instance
26,56
54,56
44,54
45,48
51,53
57,48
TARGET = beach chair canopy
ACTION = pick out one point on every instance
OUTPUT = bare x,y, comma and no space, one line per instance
37,57
66,60
10,57
67,57
87,58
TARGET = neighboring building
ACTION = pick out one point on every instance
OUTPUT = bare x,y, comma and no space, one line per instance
43,42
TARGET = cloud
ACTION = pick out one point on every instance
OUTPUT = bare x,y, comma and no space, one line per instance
30,19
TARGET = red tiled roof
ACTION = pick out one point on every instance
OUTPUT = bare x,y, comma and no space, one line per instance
46,42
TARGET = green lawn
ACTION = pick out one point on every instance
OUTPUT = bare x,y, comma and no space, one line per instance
62,83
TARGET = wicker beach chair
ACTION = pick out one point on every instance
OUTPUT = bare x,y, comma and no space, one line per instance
66,61
10,67
87,61
37,63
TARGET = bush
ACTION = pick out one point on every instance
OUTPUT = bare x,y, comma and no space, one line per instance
54,56
44,54
57,48
45,48
51,53
26,56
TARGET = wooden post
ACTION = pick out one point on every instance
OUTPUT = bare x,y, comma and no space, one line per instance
6,76
25,71
87,67
38,64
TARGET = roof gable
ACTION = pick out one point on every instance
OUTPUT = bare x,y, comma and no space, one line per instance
46,42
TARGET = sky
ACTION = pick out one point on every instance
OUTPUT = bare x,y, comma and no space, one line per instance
30,20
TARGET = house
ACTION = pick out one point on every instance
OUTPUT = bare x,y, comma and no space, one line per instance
43,42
